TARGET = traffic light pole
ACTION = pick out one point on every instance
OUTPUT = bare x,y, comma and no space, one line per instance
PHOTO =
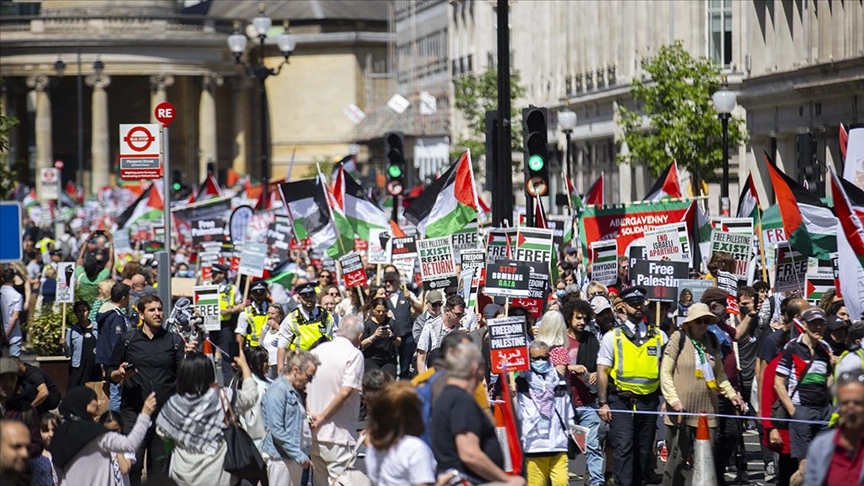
502,190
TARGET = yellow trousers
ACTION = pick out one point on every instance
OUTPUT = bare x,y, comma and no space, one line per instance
540,468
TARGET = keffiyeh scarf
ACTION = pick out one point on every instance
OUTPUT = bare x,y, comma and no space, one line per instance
195,423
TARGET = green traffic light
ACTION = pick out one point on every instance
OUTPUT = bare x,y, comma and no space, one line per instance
536,163
176,186
394,171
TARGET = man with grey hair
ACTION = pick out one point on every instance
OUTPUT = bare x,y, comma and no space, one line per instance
463,438
334,401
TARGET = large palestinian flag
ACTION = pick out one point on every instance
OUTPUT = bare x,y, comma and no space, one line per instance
307,203
362,214
668,185
850,250
148,207
810,224
448,204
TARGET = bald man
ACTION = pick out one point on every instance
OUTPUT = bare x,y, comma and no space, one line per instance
14,454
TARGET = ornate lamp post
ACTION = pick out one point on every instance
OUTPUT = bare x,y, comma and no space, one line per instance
724,103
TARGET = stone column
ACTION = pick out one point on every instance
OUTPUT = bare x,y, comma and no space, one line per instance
207,122
240,86
159,83
99,152
44,150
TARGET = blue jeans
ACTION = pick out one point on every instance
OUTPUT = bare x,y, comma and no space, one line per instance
114,397
594,457
14,349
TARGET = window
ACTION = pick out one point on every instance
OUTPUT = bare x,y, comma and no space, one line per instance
720,31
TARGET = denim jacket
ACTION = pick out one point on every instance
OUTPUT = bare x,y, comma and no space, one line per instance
288,433
75,343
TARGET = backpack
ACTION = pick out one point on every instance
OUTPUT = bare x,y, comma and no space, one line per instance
424,391
711,337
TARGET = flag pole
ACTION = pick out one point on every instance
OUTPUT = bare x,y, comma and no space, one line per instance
762,251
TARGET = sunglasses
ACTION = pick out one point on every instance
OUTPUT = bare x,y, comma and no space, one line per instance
460,315
539,358
436,304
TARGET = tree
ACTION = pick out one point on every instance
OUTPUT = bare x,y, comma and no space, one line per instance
7,173
682,122
475,95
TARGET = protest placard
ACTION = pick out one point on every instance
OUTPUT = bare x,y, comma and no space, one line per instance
405,266
508,344
740,246
353,273
474,258
464,289
208,230
637,252
668,242
538,281
183,287
816,285
65,283
790,269
742,226
437,267
405,247
695,286
604,258
279,237
507,278
660,278
500,243
533,245
380,247
464,240
252,259
207,303
728,282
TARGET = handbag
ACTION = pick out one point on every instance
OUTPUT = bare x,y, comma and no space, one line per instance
778,411
242,458
351,476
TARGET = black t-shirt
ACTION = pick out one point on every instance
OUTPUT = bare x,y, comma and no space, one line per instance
771,345
748,348
455,412
382,350
156,359
33,377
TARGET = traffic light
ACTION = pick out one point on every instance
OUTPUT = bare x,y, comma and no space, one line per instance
176,180
394,155
534,127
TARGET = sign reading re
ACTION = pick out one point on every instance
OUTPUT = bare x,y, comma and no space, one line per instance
165,113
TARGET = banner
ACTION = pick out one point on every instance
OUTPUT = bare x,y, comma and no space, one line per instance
209,209
65,283
508,344
669,242
208,230
353,273
507,278
207,303
437,266
252,259
604,258
740,246
660,279
378,254
472,259
405,247
790,269
627,223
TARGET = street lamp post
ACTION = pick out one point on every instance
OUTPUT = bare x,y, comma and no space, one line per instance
237,43
567,122
724,103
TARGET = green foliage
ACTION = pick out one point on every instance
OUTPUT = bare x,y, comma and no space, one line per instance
45,331
476,94
326,165
683,124
7,173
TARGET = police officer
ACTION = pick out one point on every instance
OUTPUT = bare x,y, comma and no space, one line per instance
230,304
254,316
306,326
628,376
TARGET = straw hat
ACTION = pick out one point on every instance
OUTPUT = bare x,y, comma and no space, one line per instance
698,311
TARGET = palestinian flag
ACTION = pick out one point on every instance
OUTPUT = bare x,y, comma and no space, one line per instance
363,215
283,274
348,164
343,227
810,225
855,197
850,250
575,197
816,286
148,207
748,203
484,216
702,228
667,185
595,194
307,204
232,178
448,204
540,220
209,189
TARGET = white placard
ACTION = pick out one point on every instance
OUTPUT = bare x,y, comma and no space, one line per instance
65,283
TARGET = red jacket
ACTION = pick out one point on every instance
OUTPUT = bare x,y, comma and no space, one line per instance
766,400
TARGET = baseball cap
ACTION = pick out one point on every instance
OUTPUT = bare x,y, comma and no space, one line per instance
813,314
600,303
434,297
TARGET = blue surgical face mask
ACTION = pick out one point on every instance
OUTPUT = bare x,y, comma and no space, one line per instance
541,366
560,293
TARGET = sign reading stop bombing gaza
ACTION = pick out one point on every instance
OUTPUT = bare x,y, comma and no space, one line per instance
140,145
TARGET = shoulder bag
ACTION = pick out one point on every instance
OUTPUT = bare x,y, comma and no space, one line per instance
242,458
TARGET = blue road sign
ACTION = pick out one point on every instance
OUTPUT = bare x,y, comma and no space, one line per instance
11,248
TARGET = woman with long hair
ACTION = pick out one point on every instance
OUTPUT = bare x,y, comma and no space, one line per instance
396,455
199,436
379,343
82,449
259,364
552,330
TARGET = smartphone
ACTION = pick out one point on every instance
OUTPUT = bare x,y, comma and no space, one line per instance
233,349
130,368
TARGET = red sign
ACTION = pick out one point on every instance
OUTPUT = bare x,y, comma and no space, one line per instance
58,164
508,343
165,113
360,245
627,223
353,272
139,139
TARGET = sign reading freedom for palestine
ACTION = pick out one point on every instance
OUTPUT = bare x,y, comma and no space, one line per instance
508,344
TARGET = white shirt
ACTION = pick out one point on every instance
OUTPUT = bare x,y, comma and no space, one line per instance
341,365
11,301
409,461
606,354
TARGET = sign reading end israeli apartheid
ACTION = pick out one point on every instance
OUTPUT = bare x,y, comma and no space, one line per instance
353,273
508,278
437,267
660,279
508,344
740,246
668,242
604,261
207,305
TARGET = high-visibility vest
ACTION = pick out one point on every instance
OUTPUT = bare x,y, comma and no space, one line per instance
835,417
636,368
254,323
226,300
307,333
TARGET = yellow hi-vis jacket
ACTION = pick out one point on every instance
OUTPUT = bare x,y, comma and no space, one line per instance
636,369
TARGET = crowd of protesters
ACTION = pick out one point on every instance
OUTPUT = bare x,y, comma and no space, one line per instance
322,377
